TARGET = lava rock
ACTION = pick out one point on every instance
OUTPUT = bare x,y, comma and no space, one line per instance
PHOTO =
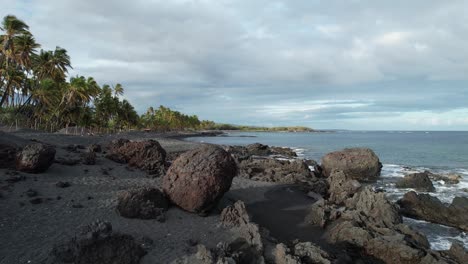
199,178
429,208
35,158
62,184
143,203
97,243
146,155
418,181
89,158
341,187
357,163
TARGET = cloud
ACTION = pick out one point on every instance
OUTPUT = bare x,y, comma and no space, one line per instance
269,62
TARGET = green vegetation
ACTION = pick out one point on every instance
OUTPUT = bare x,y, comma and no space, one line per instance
36,92
214,126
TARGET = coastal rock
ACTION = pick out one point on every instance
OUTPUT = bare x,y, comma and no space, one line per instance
67,161
286,152
89,158
97,243
145,155
311,253
418,181
35,158
447,179
199,178
357,163
341,187
258,149
321,213
273,170
240,153
95,148
235,215
429,208
375,207
458,252
142,203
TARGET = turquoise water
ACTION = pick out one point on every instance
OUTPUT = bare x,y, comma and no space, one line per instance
400,153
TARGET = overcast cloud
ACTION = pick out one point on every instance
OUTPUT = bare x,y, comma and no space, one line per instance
357,64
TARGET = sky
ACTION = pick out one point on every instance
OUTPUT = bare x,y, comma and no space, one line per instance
356,64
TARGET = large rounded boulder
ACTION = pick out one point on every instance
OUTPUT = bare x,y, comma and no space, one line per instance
197,179
357,163
35,158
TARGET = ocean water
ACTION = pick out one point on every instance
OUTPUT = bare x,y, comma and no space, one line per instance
400,153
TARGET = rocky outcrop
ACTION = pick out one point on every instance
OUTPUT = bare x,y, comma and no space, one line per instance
235,215
145,155
273,170
357,163
425,207
97,243
198,178
244,152
305,252
341,187
447,179
143,203
35,158
418,181
372,223
458,252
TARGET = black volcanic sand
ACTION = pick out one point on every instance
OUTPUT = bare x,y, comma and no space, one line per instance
31,226
282,209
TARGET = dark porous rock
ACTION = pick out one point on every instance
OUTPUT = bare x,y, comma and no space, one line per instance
448,179
89,158
282,151
97,243
303,252
35,158
199,178
458,252
143,203
418,181
145,155
95,148
375,207
429,208
258,149
341,187
321,213
62,184
357,163
235,215
273,170
7,155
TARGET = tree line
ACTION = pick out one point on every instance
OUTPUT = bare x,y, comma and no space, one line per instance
36,92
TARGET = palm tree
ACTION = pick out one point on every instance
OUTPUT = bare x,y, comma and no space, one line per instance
52,64
118,90
12,28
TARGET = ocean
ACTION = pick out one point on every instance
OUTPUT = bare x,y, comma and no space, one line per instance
401,152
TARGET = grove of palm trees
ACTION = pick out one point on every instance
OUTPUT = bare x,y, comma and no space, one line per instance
36,91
